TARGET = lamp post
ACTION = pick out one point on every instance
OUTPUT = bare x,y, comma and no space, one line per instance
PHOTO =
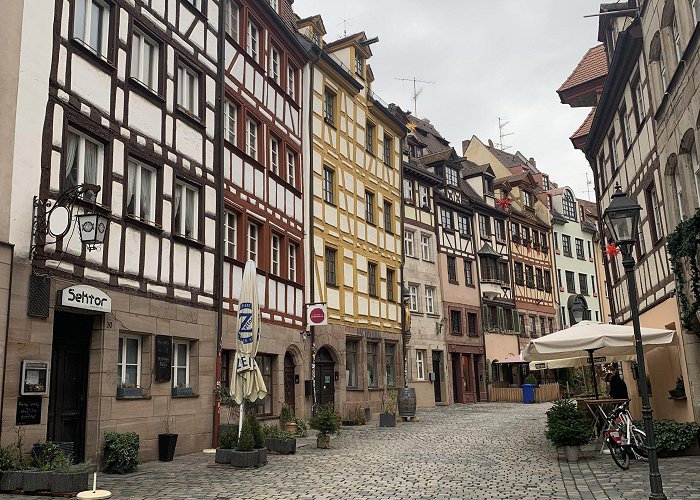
577,311
622,219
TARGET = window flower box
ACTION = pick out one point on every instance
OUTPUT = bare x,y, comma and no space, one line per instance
129,392
182,391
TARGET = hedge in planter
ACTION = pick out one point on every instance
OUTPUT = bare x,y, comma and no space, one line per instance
121,452
247,453
228,440
673,438
326,422
567,425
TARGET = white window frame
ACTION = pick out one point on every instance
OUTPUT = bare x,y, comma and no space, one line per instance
148,76
253,237
230,121
676,34
695,166
656,207
429,300
253,41
408,189
231,234
275,64
177,362
122,370
291,81
292,262
420,364
136,172
328,185
451,177
662,71
251,138
425,250
423,196
82,31
409,243
231,18
80,158
413,297
181,230
275,5
639,98
275,155
291,167
678,183
275,253
188,89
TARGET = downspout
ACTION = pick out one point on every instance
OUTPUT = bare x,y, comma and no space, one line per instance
404,341
7,329
219,270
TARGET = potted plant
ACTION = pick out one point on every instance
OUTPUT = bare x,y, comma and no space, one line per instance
246,453
228,439
679,390
287,419
279,441
125,391
387,418
568,428
354,416
326,422
120,452
166,442
232,409
181,391
674,439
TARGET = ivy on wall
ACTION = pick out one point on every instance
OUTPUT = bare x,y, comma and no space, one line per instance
683,246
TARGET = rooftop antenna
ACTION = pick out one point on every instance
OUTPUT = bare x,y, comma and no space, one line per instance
416,92
501,134
345,22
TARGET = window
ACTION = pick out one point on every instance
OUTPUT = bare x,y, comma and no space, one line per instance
331,266
515,231
451,176
654,211
579,249
423,196
488,186
275,5
590,255
526,235
181,364
566,244
695,165
425,250
390,284
372,379
503,274
468,275
500,230
129,361
413,298
186,220
329,106
547,280
265,364
471,325
484,226
372,278
539,279
388,217
593,284
388,149
91,25
489,268
545,183
291,81
529,277
292,264
569,205
275,155
230,121
601,169
408,243
390,364
253,36
695,6
455,322
251,138
84,160
420,365
535,239
559,278
369,207
675,32
533,326
230,234
359,65
583,283
369,138
542,326
291,167
274,68
638,101
527,199
351,363
231,16
430,300
253,235
519,273
144,59
328,185
550,325
463,225
662,71
555,237
570,283
452,269
188,89
408,190
446,219
141,191
625,128
275,255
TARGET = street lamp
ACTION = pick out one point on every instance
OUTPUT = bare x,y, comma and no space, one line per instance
622,219
577,311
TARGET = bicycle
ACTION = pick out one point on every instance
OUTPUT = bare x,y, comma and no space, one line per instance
623,438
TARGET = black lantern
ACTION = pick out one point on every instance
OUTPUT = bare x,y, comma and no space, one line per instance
578,310
93,229
622,218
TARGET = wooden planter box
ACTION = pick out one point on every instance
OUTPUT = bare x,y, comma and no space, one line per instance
283,447
54,482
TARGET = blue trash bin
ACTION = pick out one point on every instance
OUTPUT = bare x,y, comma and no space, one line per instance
528,393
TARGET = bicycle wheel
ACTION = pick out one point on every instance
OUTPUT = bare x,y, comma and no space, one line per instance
619,455
638,442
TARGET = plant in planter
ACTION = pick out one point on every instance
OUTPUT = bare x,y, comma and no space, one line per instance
287,419
326,422
387,418
182,390
228,440
129,391
531,380
302,429
675,438
567,427
354,416
166,442
120,452
246,454
279,441
679,390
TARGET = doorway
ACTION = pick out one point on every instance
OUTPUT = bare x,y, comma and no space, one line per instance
325,377
69,381
437,373
289,394
457,388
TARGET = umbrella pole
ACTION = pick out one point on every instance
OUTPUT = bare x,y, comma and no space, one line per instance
595,385
240,420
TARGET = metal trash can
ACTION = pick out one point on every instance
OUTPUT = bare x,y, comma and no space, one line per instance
528,393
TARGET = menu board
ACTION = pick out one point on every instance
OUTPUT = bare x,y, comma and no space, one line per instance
28,410
164,358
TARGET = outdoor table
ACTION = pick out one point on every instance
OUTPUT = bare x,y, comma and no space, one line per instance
599,409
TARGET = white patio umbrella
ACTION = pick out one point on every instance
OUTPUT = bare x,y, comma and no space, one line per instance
248,383
553,364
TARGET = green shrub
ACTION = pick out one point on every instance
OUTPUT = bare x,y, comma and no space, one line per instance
327,420
10,458
121,452
671,436
246,441
286,414
256,428
270,431
567,425
302,429
531,379
49,456
229,438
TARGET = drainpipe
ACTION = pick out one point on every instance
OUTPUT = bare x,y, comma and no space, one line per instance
7,329
404,341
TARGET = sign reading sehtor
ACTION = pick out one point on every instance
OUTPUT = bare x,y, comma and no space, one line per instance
316,314
85,297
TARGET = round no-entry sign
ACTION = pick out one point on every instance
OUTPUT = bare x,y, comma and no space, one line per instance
317,315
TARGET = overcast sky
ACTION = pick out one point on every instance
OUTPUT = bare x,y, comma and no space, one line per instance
488,58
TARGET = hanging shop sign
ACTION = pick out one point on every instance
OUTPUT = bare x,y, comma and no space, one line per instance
317,314
85,297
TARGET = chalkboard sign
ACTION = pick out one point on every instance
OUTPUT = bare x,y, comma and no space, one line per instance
164,358
28,410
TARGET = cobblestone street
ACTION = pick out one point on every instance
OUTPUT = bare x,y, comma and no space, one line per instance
490,450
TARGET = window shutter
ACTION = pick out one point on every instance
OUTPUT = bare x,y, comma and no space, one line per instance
484,318
516,320
501,319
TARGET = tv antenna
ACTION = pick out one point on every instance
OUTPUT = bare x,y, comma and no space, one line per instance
416,92
501,134
345,22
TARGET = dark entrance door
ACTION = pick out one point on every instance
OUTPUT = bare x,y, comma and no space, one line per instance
325,377
457,388
437,370
69,377
289,381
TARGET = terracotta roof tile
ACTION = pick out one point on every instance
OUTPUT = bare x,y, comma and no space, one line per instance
585,127
594,64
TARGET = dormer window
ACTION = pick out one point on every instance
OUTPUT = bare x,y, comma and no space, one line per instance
315,38
527,199
569,205
359,65
419,151
545,182
488,186
451,176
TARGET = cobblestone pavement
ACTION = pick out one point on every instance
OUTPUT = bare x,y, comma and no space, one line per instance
483,451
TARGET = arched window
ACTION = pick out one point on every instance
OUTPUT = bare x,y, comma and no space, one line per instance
656,56
674,183
569,205
676,34
690,164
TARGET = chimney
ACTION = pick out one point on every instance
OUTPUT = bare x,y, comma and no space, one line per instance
490,143
532,160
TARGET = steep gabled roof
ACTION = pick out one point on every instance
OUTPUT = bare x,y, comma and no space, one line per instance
585,127
594,64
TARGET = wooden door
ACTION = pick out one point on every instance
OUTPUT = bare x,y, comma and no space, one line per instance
437,370
289,393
